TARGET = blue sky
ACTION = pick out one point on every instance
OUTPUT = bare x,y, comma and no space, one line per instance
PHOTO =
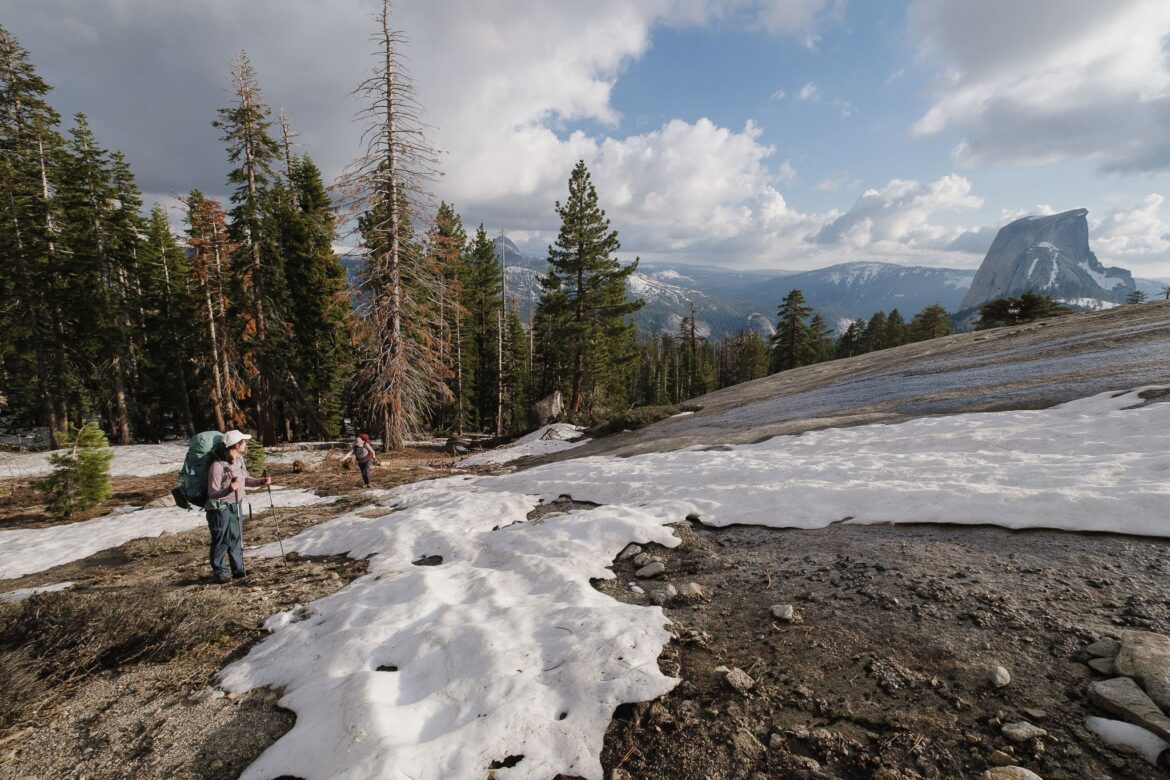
746,133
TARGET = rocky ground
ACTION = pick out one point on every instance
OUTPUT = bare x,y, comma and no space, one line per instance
885,651
847,652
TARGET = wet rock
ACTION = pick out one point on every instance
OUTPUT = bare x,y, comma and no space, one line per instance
630,551
1121,696
1104,648
1022,731
1145,656
1103,665
739,680
1009,773
998,676
652,569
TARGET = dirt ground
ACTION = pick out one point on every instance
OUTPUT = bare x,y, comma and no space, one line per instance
883,673
886,674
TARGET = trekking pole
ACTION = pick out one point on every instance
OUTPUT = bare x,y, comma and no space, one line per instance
275,517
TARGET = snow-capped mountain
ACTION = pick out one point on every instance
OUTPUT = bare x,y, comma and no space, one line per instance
1048,255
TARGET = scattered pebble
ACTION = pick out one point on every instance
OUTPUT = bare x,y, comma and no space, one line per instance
652,569
1022,731
998,676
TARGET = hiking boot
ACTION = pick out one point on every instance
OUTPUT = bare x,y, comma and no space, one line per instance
220,579
239,576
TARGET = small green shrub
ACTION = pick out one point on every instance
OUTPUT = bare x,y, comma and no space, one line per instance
81,477
254,458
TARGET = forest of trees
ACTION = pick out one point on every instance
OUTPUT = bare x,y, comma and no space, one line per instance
247,319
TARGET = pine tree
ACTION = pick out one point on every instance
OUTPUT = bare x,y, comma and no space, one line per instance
583,302
875,332
318,301
896,330
401,375
31,313
1012,310
930,323
448,242
793,342
482,297
81,477
217,356
1137,296
170,310
822,339
102,237
245,126
854,341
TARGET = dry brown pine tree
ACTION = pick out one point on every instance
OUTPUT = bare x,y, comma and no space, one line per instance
400,373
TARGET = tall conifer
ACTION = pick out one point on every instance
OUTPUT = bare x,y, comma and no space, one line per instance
583,307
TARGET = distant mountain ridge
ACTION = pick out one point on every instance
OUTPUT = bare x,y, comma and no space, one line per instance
727,301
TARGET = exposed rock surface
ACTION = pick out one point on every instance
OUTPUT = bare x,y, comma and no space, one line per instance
1049,255
1027,366
1122,697
1145,656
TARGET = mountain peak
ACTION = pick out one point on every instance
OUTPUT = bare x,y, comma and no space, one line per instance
1049,255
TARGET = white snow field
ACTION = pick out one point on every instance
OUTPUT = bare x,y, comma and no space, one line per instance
504,650
29,550
140,460
544,441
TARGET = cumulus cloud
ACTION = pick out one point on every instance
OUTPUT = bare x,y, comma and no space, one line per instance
1132,233
898,217
1050,80
807,92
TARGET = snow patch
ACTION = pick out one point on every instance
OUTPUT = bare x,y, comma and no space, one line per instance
29,550
545,441
1094,464
1128,737
136,460
503,649
24,593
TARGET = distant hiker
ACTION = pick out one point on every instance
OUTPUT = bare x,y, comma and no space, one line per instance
227,476
363,453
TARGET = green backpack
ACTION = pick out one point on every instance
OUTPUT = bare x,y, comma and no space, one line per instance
192,488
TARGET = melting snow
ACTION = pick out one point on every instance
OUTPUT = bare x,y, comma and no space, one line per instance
139,460
545,441
504,649
24,593
28,550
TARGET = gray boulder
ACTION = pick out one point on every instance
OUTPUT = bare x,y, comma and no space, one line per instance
1145,656
1122,697
546,410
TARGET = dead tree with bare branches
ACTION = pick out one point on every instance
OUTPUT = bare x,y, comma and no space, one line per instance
400,374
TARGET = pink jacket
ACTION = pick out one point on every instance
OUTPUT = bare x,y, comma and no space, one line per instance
219,481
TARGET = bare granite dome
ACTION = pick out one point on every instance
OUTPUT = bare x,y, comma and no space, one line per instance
1048,255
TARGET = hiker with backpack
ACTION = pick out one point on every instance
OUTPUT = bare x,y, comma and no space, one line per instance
363,453
227,476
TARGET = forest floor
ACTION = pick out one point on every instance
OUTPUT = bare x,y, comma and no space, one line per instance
883,672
